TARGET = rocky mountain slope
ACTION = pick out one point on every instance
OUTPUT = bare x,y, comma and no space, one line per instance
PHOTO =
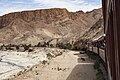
95,31
46,25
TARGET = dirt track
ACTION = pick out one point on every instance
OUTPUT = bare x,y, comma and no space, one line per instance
68,66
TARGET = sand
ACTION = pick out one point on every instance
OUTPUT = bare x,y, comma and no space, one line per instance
67,66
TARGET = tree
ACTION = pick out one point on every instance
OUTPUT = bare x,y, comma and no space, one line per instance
26,47
17,47
38,45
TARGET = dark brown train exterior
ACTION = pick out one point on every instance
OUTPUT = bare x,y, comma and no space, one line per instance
111,14
110,43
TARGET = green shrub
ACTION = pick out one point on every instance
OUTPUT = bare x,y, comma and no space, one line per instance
51,45
17,47
64,46
49,56
38,45
26,47
30,50
44,62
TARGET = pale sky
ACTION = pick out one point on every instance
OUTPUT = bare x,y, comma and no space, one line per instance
7,6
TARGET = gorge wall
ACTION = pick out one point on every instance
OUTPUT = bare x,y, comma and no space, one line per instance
46,25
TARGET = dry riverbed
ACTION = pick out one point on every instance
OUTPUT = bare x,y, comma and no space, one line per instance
46,64
12,63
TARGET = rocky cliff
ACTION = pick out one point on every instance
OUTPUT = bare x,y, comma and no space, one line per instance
95,31
46,25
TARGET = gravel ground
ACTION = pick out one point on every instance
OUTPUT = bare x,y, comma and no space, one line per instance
69,66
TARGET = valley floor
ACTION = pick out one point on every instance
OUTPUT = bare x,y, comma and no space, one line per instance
68,66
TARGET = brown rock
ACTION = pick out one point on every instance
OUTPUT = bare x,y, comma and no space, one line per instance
46,25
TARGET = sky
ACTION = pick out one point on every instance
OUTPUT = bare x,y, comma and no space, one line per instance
7,6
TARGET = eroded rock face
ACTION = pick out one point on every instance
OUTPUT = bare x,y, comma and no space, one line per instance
47,25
